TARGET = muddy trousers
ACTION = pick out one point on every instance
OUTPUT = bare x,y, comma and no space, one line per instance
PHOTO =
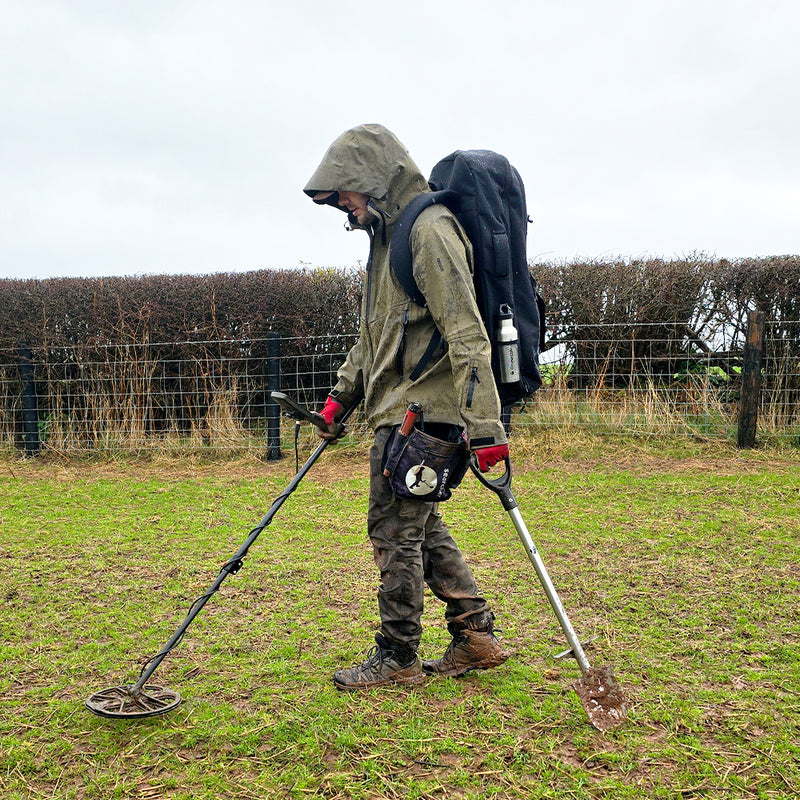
412,547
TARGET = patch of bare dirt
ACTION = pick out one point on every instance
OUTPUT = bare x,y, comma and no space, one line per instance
349,461
328,468
650,464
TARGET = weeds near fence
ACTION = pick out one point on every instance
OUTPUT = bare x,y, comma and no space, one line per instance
138,398
695,412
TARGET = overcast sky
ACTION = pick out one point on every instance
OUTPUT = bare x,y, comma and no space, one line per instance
169,136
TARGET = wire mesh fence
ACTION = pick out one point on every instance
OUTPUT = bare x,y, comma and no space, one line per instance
651,379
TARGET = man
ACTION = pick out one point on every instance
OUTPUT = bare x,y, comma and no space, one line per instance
368,174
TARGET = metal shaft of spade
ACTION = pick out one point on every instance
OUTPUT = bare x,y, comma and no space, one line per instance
231,566
598,690
502,488
549,589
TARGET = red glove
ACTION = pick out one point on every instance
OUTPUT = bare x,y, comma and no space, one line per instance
329,412
491,455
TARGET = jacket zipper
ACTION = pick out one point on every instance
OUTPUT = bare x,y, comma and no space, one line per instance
384,216
371,233
368,305
473,379
399,354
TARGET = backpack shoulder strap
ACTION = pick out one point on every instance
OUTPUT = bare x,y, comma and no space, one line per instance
400,246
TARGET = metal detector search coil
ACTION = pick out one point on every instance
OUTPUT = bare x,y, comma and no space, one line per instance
147,700
121,702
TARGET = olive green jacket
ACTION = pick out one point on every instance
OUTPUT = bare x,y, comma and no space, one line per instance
457,385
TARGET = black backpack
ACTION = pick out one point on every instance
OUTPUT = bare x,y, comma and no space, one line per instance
487,196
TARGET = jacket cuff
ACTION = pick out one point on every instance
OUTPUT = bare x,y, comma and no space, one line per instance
488,435
346,399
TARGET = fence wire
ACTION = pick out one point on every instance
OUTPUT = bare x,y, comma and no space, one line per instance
214,395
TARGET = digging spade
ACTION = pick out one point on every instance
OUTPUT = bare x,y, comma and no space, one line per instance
599,691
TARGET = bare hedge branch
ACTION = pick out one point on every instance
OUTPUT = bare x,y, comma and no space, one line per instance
619,324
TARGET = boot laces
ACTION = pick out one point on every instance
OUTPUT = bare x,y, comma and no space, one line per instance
377,655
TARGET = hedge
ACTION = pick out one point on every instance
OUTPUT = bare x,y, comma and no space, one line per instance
617,321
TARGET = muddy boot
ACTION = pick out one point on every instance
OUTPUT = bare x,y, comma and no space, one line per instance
384,665
469,649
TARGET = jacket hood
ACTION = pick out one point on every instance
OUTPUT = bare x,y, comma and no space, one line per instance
369,159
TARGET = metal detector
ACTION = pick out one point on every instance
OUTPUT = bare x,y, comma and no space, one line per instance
147,700
599,691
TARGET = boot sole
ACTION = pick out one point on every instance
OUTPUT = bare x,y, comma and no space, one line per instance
456,673
410,680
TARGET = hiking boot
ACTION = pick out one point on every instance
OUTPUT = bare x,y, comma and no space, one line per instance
383,666
468,650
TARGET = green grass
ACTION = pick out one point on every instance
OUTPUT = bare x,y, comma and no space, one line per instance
682,557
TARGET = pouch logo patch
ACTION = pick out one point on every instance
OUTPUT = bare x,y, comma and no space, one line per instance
421,480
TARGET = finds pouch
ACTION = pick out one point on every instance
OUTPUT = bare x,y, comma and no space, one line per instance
423,467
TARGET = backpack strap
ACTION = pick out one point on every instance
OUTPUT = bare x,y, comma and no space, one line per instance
400,247
402,265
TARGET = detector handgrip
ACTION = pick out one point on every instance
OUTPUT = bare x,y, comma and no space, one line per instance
296,411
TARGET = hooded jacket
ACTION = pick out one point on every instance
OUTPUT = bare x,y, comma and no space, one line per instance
457,385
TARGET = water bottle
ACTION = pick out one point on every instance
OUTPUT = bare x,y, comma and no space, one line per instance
508,346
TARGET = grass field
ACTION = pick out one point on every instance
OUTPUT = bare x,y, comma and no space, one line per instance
683,558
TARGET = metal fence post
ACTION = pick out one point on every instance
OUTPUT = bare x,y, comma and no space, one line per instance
751,379
273,409
30,407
